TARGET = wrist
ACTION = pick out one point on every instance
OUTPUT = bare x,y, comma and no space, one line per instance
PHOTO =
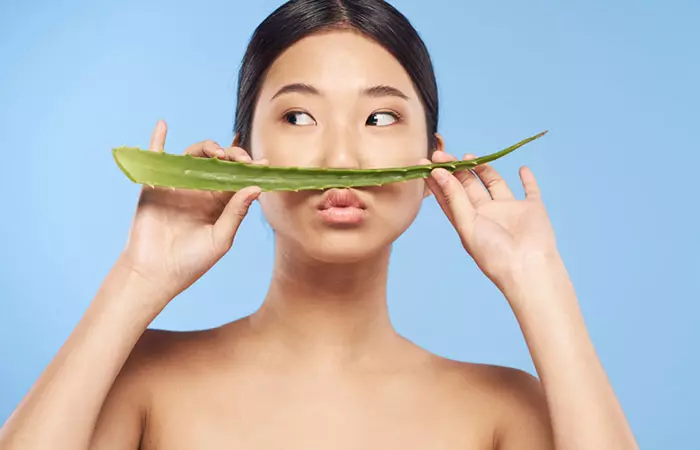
128,290
540,279
145,278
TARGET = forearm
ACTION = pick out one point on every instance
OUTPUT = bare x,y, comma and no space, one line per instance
584,410
62,407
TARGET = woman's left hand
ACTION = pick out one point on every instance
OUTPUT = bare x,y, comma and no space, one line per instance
506,237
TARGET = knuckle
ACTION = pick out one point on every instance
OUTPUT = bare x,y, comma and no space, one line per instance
492,182
241,212
196,149
483,170
241,208
449,196
240,155
466,178
209,147
221,245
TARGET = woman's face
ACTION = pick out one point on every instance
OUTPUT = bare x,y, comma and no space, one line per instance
338,99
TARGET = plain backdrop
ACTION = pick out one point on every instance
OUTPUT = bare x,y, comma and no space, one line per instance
615,82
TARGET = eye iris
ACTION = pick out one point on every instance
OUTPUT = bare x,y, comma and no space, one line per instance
386,119
299,118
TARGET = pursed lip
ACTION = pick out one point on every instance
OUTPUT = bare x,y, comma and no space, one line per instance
341,198
342,207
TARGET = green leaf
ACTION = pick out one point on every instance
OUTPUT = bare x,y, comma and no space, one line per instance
188,172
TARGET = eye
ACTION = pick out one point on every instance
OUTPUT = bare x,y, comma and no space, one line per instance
382,119
299,118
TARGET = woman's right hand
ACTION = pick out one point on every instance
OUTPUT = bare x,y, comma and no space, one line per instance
177,235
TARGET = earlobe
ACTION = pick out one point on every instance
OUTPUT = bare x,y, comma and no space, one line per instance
439,142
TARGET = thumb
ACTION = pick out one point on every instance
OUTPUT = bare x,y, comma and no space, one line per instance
157,143
226,226
453,200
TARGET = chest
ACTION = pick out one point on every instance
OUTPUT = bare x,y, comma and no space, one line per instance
310,417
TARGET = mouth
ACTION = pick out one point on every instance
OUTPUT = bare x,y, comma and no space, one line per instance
342,207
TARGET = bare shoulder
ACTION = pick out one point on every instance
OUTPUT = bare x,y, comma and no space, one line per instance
164,358
514,387
163,349
159,353
159,359
513,398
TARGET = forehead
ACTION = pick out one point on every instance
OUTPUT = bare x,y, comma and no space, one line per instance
338,60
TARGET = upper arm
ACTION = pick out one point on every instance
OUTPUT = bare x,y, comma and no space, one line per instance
122,418
120,423
526,424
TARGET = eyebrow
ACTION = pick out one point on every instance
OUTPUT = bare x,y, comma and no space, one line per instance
300,88
380,90
383,90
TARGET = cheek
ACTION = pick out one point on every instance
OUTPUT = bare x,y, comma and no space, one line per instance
399,146
398,204
272,209
284,210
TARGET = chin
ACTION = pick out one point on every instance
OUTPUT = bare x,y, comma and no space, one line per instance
340,245
339,227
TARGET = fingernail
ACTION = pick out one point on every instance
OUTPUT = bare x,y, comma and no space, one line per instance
221,153
441,176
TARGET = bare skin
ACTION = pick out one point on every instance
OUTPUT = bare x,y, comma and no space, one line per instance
319,365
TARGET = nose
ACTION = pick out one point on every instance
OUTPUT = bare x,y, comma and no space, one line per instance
340,147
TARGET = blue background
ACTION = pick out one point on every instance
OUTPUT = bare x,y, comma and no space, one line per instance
615,82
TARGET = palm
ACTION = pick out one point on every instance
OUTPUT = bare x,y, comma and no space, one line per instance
501,233
179,234
172,231
507,233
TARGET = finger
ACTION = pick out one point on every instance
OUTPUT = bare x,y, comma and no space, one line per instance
435,189
237,154
157,143
463,175
494,183
206,149
472,184
440,156
532,190
453,200
233,214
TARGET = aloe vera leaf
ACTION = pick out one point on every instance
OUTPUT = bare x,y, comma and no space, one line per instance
188,172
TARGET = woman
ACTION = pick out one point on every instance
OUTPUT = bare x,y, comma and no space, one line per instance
344,83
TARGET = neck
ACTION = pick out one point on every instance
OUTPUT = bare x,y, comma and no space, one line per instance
326,311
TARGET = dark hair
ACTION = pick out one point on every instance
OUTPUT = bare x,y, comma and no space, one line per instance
297,19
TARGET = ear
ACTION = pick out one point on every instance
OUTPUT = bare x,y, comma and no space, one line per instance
440,142
439,147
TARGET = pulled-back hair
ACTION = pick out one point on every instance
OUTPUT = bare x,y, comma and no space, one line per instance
296,19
